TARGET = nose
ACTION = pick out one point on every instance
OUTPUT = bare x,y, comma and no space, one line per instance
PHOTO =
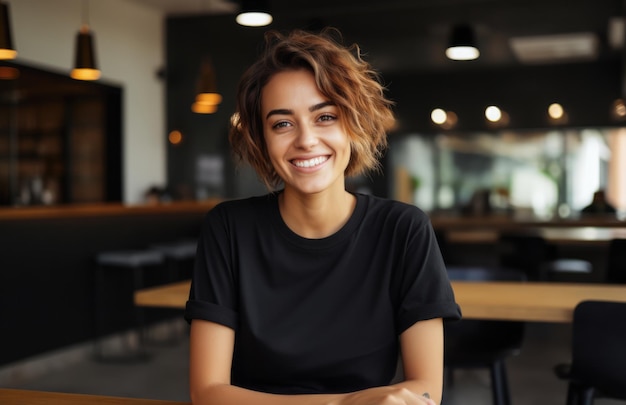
306,138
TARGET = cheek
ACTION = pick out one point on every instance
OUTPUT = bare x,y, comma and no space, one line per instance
270,144
349,146
275,150
351,152
269,152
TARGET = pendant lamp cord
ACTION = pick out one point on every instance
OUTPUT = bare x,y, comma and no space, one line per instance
86,13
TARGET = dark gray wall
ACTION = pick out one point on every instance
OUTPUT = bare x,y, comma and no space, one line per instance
231,49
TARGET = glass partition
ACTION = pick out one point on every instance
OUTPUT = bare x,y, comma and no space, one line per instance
542,173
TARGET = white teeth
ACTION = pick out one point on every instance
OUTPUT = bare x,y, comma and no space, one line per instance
311,162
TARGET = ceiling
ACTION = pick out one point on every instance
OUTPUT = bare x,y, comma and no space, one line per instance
409,35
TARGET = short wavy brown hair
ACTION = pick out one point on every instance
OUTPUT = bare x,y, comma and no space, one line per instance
341,75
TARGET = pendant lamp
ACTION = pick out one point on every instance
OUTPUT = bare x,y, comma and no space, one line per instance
462,44
207,98
7,51
85,58
254,13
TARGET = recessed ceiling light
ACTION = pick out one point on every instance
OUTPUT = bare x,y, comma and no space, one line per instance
555,48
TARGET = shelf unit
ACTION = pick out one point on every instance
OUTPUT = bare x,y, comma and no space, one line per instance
60,139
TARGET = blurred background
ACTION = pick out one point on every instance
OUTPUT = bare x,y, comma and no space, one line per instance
114,118
535,121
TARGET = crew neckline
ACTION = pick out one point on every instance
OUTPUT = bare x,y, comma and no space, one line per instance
319,243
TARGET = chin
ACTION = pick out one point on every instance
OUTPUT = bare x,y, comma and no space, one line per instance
310,190
316,187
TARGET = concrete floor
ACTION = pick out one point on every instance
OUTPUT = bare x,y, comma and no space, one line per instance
165,375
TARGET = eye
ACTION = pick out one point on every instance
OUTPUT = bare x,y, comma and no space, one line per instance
281,124
327,117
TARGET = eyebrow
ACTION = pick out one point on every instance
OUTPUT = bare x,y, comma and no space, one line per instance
285,111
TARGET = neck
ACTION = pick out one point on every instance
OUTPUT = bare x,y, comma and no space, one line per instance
316,216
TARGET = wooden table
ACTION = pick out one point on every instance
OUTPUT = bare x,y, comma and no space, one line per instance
583,235
172,295
26,397
529,301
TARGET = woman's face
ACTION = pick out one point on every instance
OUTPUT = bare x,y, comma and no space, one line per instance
305,138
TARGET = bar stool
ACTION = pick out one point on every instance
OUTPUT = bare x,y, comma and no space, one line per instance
179,256
136,261
176,254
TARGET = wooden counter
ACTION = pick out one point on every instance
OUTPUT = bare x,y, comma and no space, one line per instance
48,254
570,235
508,222
103,210
486,230
27,397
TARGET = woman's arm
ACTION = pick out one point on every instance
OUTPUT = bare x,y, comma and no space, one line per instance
210,361
211,351
422,355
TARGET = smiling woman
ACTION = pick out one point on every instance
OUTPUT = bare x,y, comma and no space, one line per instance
306,142
311,289
340,77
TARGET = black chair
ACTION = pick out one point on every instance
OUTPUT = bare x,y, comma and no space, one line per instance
485,344
616,262
533,255
598,368
444,245
525,252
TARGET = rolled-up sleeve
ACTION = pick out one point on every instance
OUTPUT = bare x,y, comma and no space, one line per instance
213,293
423,288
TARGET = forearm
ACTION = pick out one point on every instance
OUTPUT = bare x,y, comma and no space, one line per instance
423,388
225,394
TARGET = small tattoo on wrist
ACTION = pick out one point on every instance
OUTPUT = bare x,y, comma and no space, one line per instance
426,395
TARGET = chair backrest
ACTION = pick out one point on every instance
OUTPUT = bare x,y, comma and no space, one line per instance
526,252
599,346
471,340
478,273
616,262
444,248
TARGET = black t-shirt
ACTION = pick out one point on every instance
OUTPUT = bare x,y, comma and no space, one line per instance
317,315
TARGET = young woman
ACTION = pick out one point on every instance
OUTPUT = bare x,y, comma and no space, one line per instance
309,294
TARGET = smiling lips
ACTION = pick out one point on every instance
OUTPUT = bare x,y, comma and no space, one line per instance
316,161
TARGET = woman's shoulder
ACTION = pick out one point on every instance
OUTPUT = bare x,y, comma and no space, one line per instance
380,205
246,202
244,207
